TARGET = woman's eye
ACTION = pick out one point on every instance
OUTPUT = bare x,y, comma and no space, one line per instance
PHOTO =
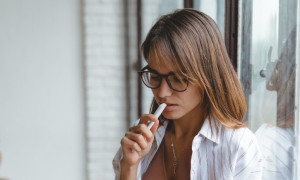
154,77
176,79
180,79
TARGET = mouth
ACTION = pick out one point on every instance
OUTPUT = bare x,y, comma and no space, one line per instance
170,106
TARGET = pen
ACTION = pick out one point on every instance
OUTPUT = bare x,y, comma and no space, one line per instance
157,113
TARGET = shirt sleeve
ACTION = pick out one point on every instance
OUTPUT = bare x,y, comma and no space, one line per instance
116,163
249,162
118,157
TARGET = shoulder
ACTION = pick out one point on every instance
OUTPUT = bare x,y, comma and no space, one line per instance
246,141
246,157
241,143
238,137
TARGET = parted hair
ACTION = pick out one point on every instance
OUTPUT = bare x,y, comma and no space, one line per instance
191,45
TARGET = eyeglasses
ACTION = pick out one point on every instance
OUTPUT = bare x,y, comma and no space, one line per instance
153,80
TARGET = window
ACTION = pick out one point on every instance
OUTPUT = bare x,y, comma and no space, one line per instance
267,59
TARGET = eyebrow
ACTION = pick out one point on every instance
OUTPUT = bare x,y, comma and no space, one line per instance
153,70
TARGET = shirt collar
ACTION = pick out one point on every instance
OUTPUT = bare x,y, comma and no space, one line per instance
211,132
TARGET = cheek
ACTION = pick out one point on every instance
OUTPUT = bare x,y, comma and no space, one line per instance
192,97
190,103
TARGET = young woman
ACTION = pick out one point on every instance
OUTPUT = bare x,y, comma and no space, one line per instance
200,134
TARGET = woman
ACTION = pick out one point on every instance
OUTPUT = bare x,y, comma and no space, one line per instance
200,134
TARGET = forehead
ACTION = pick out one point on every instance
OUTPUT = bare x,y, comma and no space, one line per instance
160,67
158,62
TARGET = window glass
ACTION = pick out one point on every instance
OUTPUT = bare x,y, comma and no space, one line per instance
215,9
267,71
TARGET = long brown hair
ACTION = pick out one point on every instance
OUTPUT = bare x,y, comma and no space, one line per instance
192,45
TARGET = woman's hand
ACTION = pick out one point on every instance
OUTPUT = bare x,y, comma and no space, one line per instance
139,138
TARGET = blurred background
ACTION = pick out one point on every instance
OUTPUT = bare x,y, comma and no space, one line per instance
69,88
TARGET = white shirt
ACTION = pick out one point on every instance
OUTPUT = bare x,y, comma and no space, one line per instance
234,154
277,147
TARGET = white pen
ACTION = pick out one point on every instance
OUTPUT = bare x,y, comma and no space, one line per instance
157,113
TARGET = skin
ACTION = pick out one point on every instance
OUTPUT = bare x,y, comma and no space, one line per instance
187,118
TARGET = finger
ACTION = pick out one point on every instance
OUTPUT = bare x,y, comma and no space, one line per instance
154,127
150,117
142,129
140,139
126,143
147,117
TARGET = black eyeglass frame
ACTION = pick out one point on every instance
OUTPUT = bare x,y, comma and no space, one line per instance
161,76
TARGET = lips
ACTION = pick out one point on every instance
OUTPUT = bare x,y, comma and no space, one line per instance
170,106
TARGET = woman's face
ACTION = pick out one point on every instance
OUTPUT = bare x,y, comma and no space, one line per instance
180,104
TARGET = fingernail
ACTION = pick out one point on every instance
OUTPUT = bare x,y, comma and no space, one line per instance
153,118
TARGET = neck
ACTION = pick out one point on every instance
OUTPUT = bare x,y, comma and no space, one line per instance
190,124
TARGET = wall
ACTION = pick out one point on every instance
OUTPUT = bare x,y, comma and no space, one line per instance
104,34
41,90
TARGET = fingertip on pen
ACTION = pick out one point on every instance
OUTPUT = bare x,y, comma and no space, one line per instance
154,117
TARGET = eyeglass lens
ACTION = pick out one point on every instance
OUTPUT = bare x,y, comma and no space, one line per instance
153,81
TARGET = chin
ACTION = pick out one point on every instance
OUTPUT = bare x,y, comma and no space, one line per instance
171,115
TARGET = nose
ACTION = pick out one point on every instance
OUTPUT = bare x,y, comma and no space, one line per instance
164,90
